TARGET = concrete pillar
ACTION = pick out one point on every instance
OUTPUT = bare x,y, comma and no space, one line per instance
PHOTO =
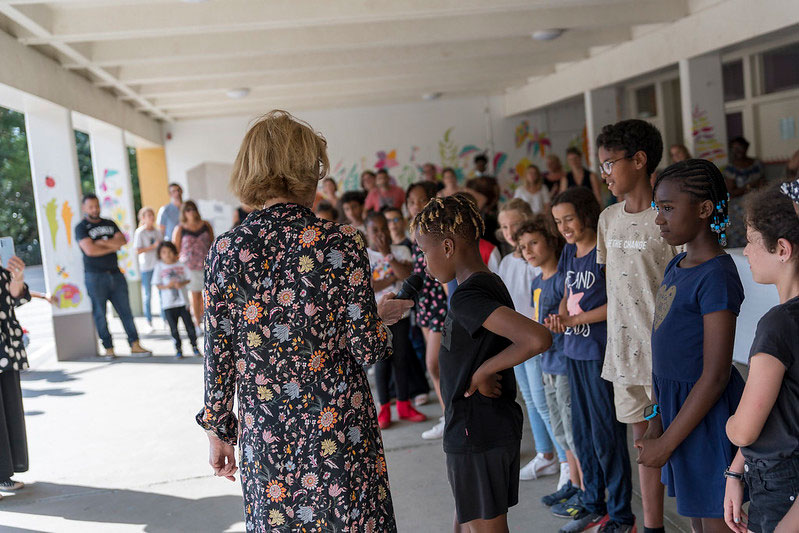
56,191
601,108
703,118
113,187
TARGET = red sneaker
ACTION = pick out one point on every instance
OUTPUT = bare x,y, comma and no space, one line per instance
406,412
384,416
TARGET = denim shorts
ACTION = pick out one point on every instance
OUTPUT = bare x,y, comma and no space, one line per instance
773,487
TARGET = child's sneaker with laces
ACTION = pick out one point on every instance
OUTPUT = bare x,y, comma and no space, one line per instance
11,485
435,432
588,521
571,508
540,466
562,495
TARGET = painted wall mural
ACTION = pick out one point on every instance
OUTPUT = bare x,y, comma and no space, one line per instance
706,144
111,192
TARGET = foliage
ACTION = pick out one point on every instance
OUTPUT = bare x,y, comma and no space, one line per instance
84,162
18,213
134,179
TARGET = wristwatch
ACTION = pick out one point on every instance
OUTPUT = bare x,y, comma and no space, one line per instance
651,411
734,475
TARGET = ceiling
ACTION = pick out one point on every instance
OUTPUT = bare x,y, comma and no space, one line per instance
178,59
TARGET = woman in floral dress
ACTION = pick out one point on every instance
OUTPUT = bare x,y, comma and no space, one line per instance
290,321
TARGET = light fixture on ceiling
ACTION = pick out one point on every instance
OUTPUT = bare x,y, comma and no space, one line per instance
431,96
238,94
547,35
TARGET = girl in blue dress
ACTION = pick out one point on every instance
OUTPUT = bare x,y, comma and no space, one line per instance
696,387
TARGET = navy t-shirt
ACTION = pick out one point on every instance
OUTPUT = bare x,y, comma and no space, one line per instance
585,290
547,295
476,423
684,297
103,229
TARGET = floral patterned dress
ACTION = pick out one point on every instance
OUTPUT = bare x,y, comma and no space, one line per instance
431,307
291,319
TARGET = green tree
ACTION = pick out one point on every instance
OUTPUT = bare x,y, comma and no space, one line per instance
18,212
84,162
134,179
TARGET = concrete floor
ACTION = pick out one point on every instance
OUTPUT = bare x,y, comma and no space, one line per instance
114,447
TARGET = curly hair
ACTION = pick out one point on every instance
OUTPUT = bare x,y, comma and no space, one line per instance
633,136
280,156
546,227
585,205
771,213
455,215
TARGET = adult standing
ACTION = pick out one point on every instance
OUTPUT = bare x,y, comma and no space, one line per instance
368,179
533,191
553,175
429,173
385,193
193,238
743,175
169,215
291,322
579,176
13,439
99,240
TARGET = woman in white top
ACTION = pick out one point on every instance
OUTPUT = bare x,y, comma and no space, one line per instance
146,239
533,190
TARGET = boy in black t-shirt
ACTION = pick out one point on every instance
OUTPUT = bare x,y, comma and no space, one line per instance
483,339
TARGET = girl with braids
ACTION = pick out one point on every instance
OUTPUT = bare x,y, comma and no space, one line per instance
695,386
431,308
483,339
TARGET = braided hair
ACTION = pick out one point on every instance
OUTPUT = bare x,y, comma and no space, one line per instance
703,181
455,215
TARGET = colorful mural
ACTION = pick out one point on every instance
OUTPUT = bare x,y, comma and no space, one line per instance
706,144
67,295
111,192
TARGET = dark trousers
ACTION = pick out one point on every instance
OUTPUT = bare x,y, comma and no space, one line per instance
172,315
13,439
102,288
601,442
398,363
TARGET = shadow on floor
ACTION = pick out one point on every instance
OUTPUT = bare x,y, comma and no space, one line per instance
51,376
34,393
157,512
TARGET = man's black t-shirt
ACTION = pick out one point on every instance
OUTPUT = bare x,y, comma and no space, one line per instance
103,229
778,336
476,423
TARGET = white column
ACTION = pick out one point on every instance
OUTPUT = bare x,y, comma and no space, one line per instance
601,108
113,188
703,117
56,190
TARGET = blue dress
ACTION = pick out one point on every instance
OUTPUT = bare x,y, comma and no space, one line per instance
693,473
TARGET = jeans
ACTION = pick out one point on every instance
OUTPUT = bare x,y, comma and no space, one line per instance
147,285
102,288
600,442
773,485
528,376
173,314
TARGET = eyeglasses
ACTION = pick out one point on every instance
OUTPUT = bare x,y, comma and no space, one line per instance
394,219
607,166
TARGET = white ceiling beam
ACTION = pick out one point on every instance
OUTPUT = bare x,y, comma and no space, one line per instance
259,46
31,25
409,20
697,34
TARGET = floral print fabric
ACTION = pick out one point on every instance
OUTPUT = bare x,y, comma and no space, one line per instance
291,320
431,308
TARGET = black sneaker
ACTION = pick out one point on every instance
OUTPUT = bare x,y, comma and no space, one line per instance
196,351
588,521
571,508
179,355
612,526
11,485
561,495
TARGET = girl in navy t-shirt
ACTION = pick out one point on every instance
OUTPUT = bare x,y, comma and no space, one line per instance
599,438
696,388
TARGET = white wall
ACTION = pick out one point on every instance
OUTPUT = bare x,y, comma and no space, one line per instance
401,137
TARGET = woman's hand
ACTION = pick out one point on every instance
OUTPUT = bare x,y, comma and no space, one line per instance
733,500
17,268
391,310
487,383
653,452
222,457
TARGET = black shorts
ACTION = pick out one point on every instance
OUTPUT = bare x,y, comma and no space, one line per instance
773,487
484,484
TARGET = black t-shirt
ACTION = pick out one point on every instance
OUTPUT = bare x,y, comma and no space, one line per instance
102,230
778,336
477,423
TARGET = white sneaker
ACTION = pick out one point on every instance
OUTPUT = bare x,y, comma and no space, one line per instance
11,485
435,432
539,467
565,475
198,331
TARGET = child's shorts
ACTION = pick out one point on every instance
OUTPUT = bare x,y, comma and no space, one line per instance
773,487
484,484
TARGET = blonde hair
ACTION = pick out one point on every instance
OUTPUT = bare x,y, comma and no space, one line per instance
517,204
143,211
280,156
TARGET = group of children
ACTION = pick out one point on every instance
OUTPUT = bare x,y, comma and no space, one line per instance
605,319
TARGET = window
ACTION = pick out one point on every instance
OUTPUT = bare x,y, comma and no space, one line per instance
732,75
646,102
735,125
781,69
